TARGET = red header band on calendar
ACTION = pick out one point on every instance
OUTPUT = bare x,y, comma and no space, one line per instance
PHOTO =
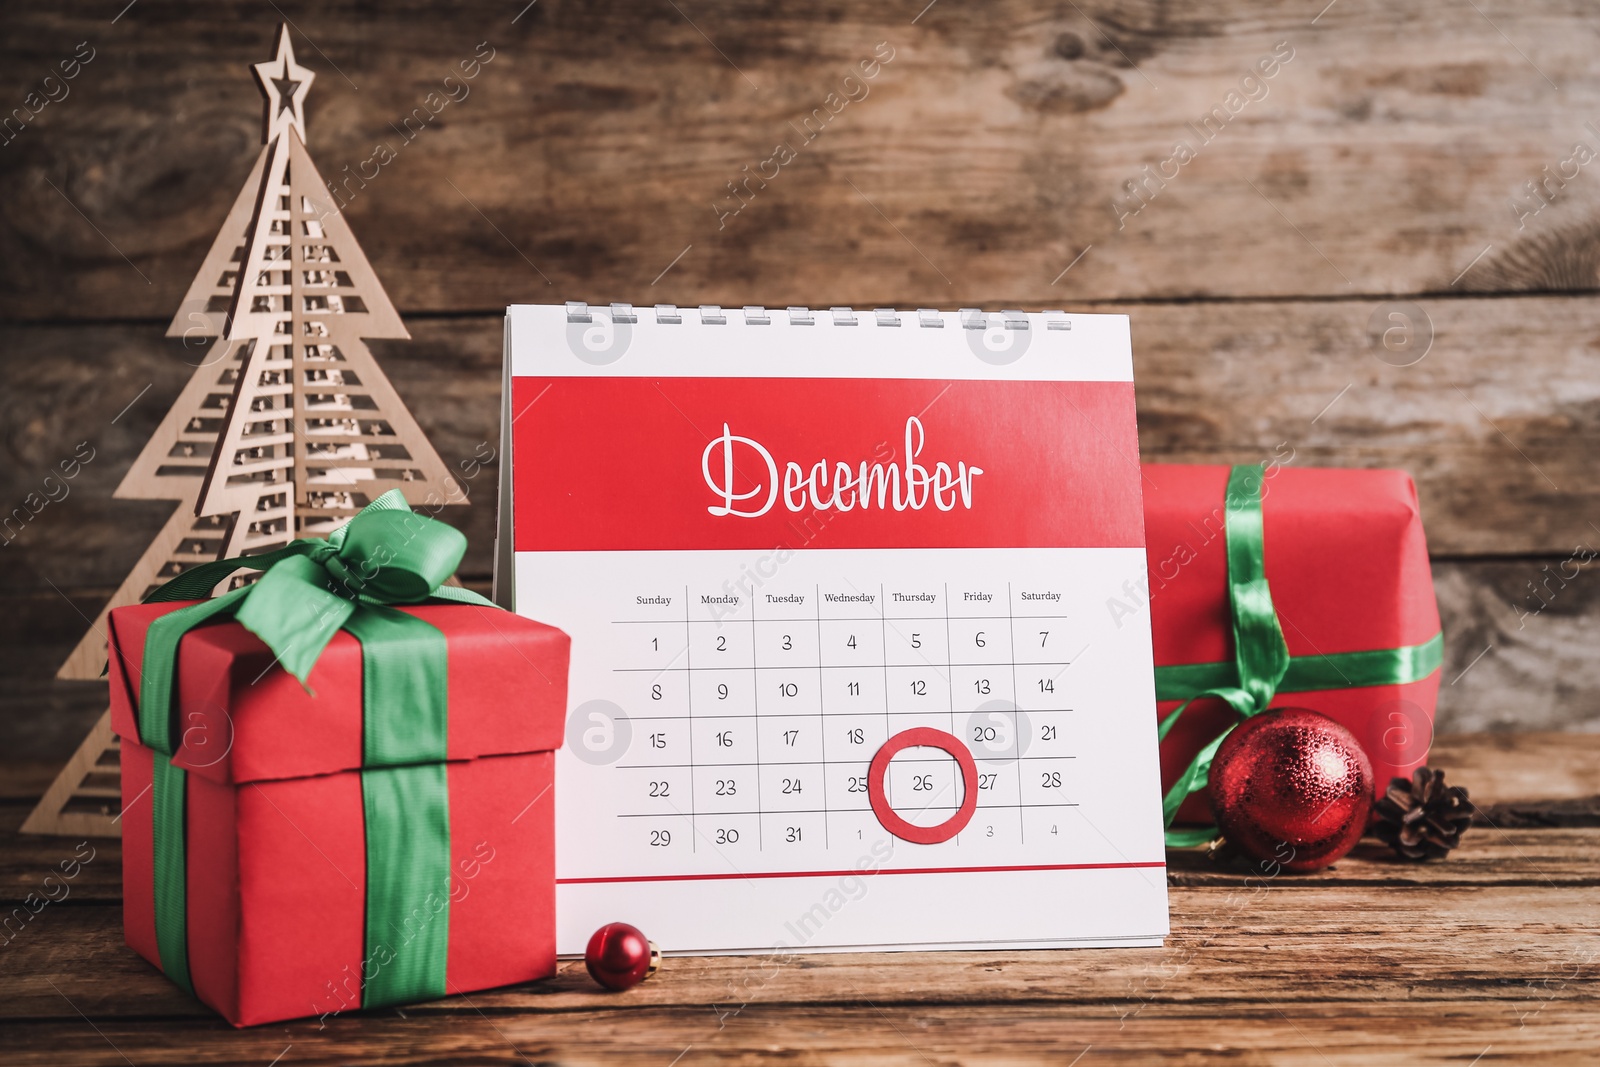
729,463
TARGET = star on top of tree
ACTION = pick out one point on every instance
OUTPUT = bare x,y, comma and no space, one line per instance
285,84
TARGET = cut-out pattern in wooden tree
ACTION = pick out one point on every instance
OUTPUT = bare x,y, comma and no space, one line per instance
287,427
85,800
315,430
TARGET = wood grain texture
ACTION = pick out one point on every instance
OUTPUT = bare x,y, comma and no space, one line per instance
29,859
1490,857
1494,449
1233,942
599,143
1579,812
1512,665
1504,768
1447,1034
1490,954
1288,975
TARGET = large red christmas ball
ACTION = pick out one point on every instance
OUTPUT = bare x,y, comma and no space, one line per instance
1291,786
620,957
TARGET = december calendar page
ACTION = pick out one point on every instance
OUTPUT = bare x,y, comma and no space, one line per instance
843,673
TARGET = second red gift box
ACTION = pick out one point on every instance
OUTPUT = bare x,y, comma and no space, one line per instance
1286,587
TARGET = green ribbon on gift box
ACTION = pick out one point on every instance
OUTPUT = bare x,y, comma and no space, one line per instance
1262,666
309,591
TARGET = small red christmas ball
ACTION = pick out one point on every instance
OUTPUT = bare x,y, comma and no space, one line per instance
1291,786
620,957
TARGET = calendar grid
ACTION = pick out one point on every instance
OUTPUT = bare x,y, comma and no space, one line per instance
822,713
773,667
688,659
903,760
835,811
949,656
755,711
950,680
1016,710
707,718
711,737
888,719
852,618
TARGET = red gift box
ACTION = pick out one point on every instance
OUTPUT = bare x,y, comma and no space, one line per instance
1348,570
276,867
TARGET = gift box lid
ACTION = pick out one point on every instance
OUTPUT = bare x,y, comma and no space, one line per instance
243,718
1345,558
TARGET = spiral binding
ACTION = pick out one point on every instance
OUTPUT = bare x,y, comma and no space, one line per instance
926,318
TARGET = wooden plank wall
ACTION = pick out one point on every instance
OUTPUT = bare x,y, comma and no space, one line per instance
1339,163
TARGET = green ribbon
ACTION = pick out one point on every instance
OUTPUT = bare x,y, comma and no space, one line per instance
1262,666
1309,674
311,589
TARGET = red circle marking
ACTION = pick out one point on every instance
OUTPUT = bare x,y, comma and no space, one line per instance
922,737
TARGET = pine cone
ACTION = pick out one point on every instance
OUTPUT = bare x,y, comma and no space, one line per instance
1422,819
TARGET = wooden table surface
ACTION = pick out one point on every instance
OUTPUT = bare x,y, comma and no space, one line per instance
1489,957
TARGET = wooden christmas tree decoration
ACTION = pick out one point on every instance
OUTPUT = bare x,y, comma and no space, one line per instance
315,429
287,427
85,800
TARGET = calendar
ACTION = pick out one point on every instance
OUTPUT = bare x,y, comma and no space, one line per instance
846,668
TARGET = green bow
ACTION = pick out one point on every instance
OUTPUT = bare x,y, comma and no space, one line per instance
311,589
1262,666
386,554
